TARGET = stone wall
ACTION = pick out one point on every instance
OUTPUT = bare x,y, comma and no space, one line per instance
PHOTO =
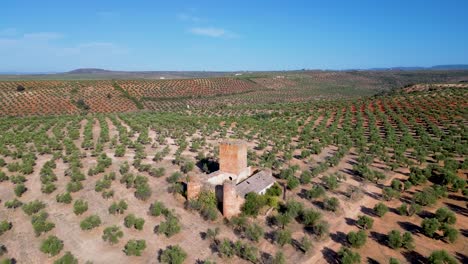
231,202
233,156
193,187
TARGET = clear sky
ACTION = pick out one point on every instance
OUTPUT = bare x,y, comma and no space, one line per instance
53,35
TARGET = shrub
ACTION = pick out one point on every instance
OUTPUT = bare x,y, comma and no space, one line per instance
212,233
132,221
175,177
20,189
112,234
393,261
380,209
13,204
294,208
74,186
279,258
408,241
389,193
310,217
253,203
90,222
428,196
357,239
306,244
33,207
143,192
226,249
5,226
403,209
64,198
315,192
292,183
348,257
157,172
20,88
170,227
173,255
40,223
330,182
3,176
430,226
365,222
118,207
134,247
80,206
321,229
414,209
445,215
450,233
254,232
48,187
158,208
68,258
331,204
306,177
283,237
52,245
17,179
441,256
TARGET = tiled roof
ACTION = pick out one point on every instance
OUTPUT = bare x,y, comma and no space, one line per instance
255,183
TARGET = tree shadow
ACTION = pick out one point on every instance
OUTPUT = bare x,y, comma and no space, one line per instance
410,227
339,237
426,214
203,235
379,238
209,164
319,204
270,236
414,257
461,257
350,221
266,257
214,248
373,195
457,197
297,245
330,255
372,261
302,194
367,210
464,232
457,209
160,251
353,174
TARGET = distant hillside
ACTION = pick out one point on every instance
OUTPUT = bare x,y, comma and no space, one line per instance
417,68
102,74
89,71
112,94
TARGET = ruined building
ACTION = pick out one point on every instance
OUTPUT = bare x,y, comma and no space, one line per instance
233,181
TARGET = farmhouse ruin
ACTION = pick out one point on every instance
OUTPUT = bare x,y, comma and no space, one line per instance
234,179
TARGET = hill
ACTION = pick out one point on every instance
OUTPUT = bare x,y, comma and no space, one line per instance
45,97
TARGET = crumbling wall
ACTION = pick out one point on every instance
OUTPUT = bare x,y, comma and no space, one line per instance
231,202
193,187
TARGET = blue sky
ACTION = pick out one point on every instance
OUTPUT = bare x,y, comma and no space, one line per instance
46,35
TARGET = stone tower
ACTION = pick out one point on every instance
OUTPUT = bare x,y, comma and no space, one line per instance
233,158
231,202
193,187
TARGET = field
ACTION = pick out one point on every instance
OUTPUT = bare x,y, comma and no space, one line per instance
355,154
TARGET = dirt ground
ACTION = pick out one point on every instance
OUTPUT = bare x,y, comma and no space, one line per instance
23,245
